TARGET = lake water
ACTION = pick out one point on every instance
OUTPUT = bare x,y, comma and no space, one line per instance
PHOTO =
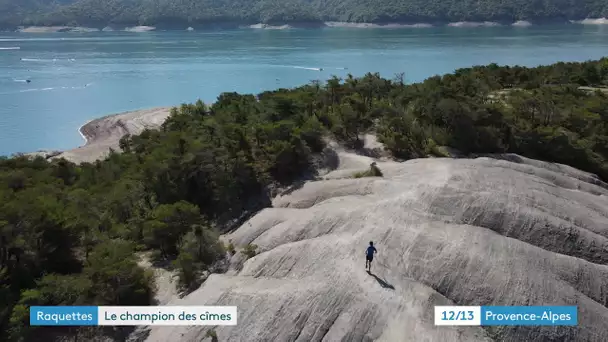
77,77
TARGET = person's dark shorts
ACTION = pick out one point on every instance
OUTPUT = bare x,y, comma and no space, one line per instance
369,258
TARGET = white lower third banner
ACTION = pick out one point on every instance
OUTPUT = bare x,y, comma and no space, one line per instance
132,315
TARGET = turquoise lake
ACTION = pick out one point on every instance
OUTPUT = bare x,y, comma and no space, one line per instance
77,77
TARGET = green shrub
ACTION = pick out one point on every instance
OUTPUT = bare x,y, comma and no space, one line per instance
211,333
250,250
435,150
231,248
188,271
374,171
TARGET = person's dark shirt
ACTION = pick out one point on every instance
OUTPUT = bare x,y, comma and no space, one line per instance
371,250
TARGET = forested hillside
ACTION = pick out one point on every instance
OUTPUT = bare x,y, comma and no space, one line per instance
69,233
181,13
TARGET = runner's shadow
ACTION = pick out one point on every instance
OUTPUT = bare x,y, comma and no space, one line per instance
380,281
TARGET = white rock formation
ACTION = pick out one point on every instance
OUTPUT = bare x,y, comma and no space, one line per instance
270,27
140,29
592,21
485,231
522,23
474,24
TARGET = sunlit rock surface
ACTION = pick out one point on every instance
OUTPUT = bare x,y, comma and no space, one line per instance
505,230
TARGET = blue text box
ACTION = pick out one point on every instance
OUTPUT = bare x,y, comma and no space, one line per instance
529,315
63,315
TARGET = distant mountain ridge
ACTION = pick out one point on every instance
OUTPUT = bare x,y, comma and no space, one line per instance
184,13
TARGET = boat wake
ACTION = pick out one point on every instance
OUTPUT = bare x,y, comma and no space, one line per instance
10,48
37,60
46,60
42,89
305,68
54,88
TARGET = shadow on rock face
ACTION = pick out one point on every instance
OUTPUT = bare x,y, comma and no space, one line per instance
381,281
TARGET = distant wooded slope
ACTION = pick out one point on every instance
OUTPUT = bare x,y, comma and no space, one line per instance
99,13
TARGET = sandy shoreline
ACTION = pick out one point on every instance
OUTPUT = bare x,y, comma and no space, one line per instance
80,131
102,134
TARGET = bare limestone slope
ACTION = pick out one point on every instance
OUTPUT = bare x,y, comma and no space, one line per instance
485,231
